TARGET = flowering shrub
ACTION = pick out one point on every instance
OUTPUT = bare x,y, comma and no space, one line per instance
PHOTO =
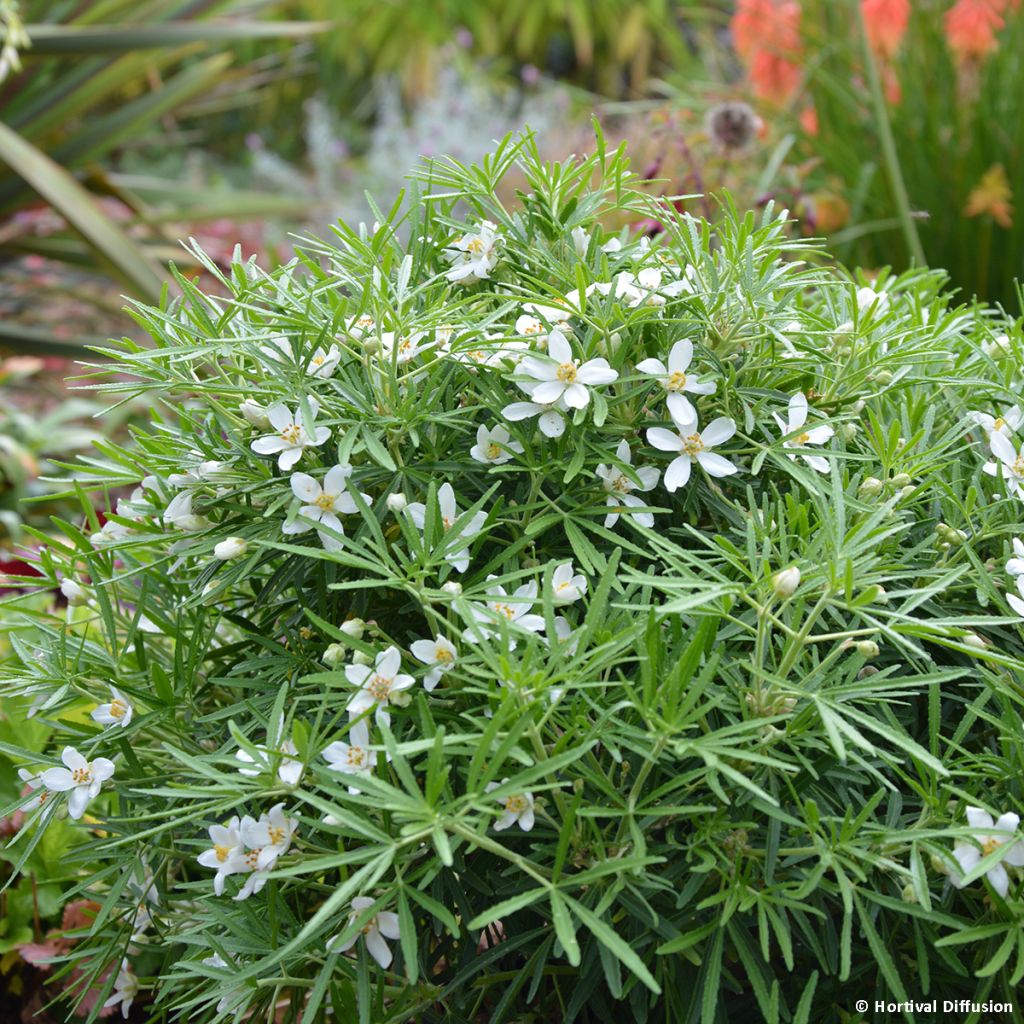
528,617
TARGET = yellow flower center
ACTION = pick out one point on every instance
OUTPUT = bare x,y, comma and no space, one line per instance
443,655
563,586
475,245
319,360
693,444
379,688
325,502
222,852
252,858
477,355
515,804
276,834
566,373
505,609
802,439
622,484
534,328
356,757
990,845
1018,466
291,433
118,709
493,451
998,423
676,381
81,776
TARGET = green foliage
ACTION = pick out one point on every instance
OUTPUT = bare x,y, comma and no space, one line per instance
736,792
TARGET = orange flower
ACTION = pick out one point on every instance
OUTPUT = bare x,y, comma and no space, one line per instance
885,22
774,78
766,36
993,196
971,27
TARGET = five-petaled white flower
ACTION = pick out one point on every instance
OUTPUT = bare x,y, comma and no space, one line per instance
383,925
225,854
269,836
501,607
439,654
1008,424
560,376
291,436
676,381
475,254
323,502
494,446
1010,464
566,585
126,988
323,364
1015,565
518,809
81,779
457,557
990,835
814,435
353,757
619,485
377,684
693,446
117,712
289,767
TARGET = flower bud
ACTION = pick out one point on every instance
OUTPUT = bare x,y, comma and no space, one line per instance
254,413
361,659
396,502
452,587
974,640
334,655
870,487
902,480
785,582
848,431
233,547
353,628
867,648
74,593
908,895
883,377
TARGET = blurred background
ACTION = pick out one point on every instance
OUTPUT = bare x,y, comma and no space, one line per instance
893,129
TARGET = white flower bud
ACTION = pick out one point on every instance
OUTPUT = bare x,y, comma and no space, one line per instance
785,582
361,659
233,547
353,628
452,587
974,640
867,648
74,593
396,502
334,655
254,413
870,487
902,480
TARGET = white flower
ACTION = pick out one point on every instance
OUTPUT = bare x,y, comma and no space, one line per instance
618,485
518,810
816,435
560,376
383,925
269,836
580,241
74,593
354,627
179,514
1012,468
785,582
353,757
458,557
323,502
377,684
197,474
402,348
529,325
117,712
551,421
676,381
254,414
126,988
868,298
81,779
1008,424
291,436
494,446
439,654
513,609
225,853
360,326
289,769
1017,602
34,781
231,547
475,254
1015,566
694,446
323,364
565,586
990,835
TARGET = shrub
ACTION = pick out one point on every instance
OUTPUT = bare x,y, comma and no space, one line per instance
527,623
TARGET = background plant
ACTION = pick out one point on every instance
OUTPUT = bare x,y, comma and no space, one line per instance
735,786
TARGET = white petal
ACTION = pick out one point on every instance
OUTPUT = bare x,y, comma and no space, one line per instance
664,440
978,818
678,473
305,488
715,465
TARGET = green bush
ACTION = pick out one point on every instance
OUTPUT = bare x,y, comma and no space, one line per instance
411,712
